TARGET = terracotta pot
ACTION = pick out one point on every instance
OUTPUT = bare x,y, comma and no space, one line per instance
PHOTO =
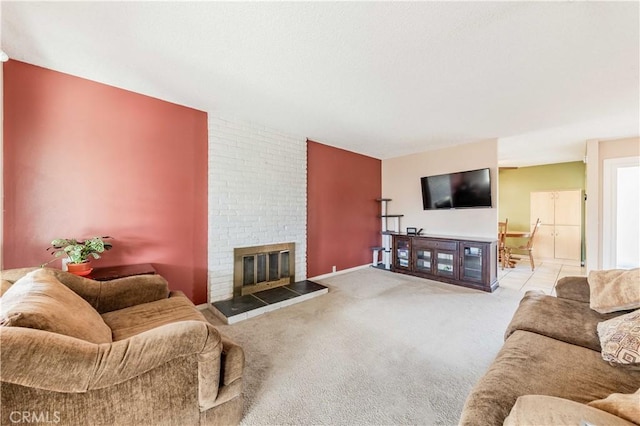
81,269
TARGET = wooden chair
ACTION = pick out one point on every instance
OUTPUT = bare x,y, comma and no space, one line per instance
502,236
523,250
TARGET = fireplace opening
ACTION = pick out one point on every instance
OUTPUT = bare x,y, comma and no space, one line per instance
262,267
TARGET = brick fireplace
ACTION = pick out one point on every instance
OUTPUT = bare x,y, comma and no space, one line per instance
257,196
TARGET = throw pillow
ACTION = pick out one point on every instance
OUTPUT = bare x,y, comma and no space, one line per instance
536,410
622,405
38,300
614,290
620,339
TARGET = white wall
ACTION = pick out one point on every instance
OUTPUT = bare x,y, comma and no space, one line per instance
257,195
401,182
627,244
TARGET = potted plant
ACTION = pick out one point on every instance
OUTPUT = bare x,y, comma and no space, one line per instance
79,252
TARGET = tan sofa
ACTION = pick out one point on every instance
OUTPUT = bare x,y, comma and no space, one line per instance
551,349
124,352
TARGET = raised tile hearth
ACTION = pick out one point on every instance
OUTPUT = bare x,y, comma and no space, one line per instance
250,305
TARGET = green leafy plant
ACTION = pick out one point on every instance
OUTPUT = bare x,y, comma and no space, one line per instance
78,251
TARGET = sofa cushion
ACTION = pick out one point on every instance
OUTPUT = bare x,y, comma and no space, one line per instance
574,288
614,290
530,363
620,339
563,319
536,410
128,322
38,300
622,405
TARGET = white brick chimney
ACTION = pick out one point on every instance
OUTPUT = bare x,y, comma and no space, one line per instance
257,195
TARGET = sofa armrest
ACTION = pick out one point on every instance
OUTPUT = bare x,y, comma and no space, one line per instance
107,296
232,361
104,296
573,288
51,358
124,359
130,291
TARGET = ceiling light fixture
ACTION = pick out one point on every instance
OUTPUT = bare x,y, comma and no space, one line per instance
3,56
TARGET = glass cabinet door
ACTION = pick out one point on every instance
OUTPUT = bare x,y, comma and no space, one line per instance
402,253
445,264
423,260
472,262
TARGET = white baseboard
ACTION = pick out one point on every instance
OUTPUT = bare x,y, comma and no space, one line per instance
343,271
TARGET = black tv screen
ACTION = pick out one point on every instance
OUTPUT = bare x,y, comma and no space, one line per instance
457,190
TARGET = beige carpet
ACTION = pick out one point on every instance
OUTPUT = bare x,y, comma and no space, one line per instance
379,348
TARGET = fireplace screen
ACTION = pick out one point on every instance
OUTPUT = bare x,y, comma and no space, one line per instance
262,267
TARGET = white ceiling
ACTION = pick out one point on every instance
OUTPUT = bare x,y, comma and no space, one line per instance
380,78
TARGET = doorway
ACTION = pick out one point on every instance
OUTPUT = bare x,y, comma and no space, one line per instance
621,209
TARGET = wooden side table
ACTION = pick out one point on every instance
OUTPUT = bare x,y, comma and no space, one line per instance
109,273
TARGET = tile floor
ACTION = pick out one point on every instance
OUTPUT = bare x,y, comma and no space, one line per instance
544,277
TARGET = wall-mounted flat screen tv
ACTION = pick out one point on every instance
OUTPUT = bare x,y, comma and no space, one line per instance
470,189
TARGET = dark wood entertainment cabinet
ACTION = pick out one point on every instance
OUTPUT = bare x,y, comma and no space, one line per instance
469,262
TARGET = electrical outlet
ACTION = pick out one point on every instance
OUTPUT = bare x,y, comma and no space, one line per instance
334,268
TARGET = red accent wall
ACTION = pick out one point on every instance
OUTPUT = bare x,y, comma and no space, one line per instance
342,214
83,159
